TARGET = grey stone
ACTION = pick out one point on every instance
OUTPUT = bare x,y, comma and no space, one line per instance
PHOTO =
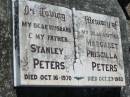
108,7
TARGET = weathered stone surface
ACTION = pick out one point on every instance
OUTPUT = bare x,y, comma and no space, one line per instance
6,82
108,7
128,9
125,91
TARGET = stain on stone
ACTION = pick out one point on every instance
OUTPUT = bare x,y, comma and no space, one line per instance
79,78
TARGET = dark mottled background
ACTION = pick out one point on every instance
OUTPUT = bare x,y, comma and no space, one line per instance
108,7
